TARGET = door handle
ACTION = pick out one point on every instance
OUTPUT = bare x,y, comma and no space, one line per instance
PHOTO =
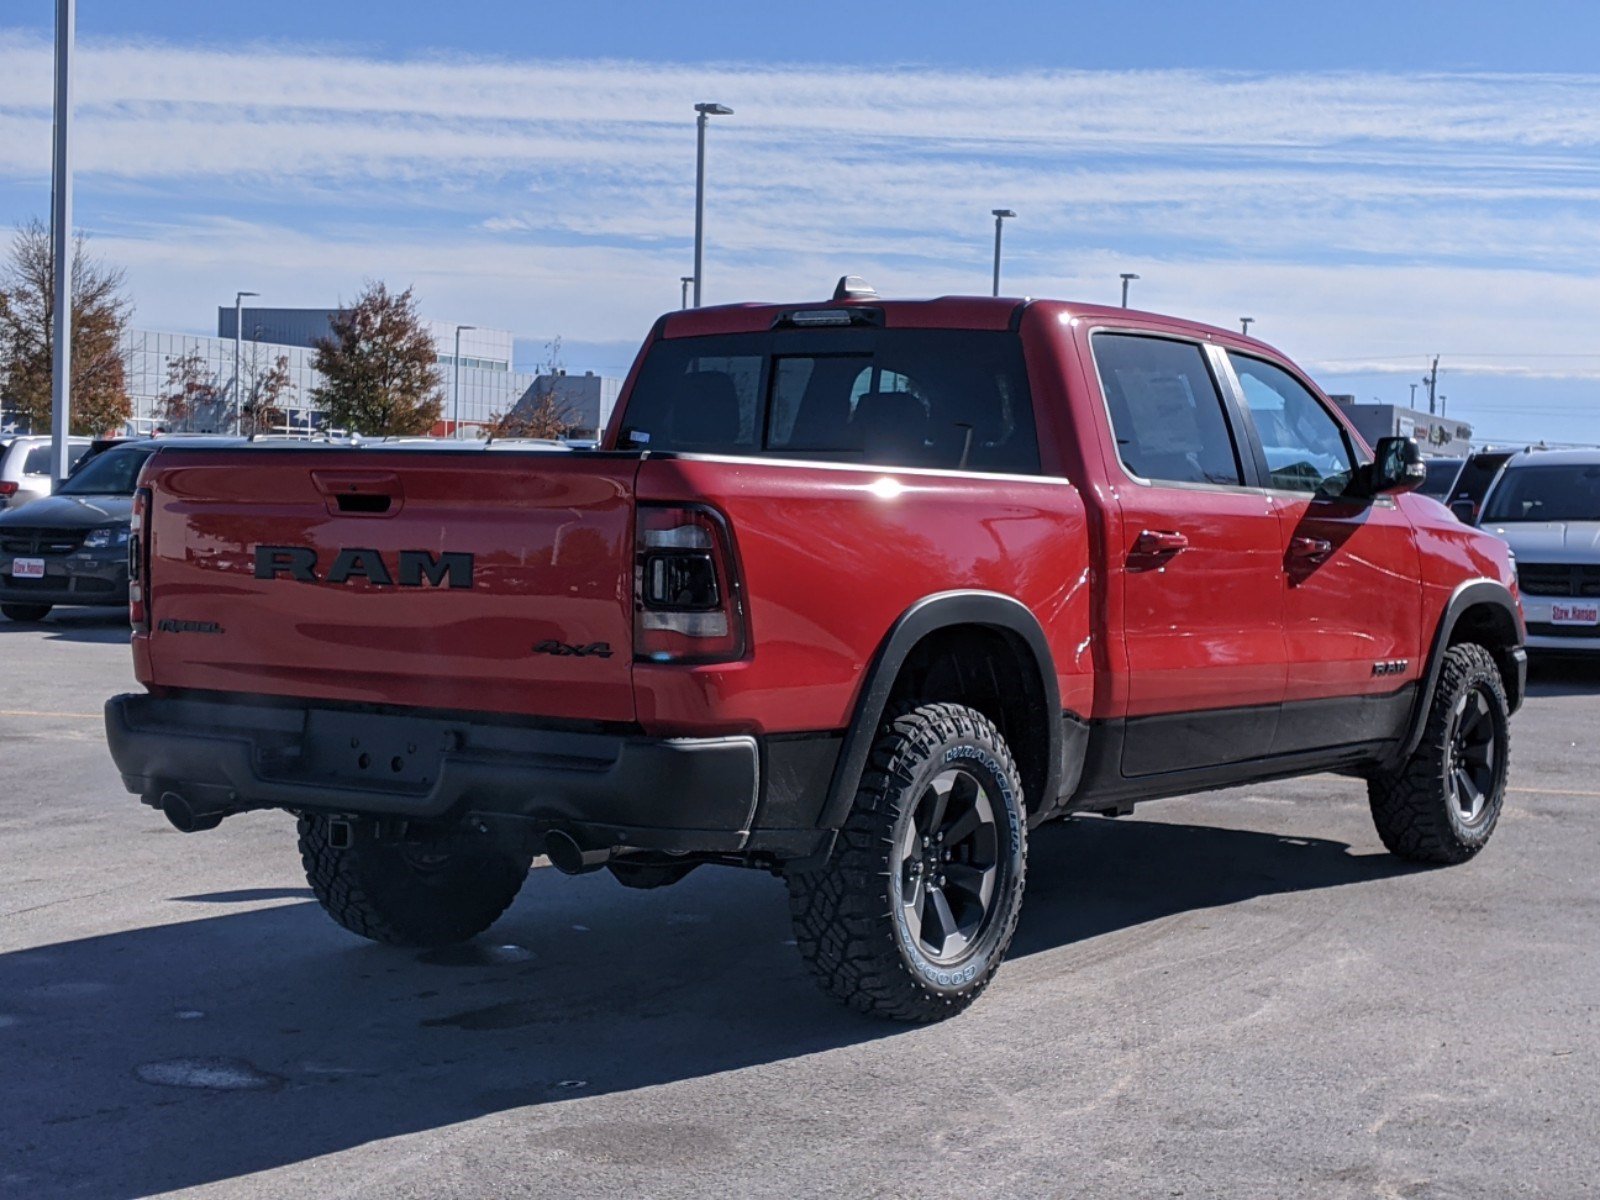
1309,549
1153,542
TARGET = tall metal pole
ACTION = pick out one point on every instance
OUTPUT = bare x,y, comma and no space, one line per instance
701,121
1244,324
61,243
704,114
1000,215
455,383
683,290
1433,382
238,341
1127,278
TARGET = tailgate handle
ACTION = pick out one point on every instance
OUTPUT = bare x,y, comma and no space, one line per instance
360,493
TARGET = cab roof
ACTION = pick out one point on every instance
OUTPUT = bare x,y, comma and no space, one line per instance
943,312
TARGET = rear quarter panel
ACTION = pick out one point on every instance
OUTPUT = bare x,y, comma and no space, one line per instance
831,556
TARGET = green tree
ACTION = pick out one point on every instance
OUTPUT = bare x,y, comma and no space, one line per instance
100,312
380,373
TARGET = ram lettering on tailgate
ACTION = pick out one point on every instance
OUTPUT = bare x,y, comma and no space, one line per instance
415,568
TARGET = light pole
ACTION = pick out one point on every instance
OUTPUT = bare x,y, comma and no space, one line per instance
683,298
1244,323
61,243
1000,217
1127,278
706,112
1413,395
238,340
455,383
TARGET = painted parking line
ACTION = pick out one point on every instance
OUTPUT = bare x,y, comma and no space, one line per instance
23,712
1552,792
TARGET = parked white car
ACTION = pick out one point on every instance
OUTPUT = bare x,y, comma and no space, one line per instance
1546,505
25,468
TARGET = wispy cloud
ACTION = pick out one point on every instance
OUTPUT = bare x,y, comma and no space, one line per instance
1360,217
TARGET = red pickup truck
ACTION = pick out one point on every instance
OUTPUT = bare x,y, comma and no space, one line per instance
857,592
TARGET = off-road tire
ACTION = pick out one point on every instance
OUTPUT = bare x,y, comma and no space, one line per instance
1414,807
26,614
848,916
378,889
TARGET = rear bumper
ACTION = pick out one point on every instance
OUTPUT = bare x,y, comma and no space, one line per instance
608,791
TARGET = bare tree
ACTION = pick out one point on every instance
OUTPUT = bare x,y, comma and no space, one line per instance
100,312
379,367
192,390
541,412
269,391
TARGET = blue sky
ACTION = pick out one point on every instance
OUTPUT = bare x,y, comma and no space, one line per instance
1374,183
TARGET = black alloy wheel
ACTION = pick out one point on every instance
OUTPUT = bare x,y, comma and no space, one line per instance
949,866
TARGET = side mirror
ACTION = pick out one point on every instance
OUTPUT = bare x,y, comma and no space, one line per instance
1465,511
1397,467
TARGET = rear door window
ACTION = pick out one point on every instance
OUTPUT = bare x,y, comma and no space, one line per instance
1166,410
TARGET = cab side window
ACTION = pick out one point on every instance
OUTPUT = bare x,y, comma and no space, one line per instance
1166,411
1306,449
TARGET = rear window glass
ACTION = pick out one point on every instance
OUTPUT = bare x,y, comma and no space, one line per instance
38,460
950,399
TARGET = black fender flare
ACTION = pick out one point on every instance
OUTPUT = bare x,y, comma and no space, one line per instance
1471,594
928,615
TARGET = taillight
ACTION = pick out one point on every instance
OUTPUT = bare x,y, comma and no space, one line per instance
7,488
139,562
687,601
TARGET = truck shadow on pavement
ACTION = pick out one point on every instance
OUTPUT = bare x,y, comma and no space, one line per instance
105,626
1566,676
204,1050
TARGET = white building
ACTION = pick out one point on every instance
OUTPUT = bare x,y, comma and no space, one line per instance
488,387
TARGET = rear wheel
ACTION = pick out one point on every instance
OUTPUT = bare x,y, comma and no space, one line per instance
913,913
404,893
25,612
1442,804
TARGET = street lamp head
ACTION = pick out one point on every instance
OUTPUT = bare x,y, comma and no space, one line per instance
1129,275
685,278
713,110
1003,213
241,295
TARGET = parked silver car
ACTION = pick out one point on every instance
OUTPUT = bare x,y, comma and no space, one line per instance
1547,506
25,468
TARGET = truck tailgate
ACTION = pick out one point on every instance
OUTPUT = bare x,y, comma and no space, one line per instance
468,580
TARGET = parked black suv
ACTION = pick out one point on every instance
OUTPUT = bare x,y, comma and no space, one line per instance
72,547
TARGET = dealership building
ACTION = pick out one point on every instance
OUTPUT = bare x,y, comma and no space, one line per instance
488,386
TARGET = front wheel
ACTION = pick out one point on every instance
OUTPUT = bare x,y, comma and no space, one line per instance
913,912
1441,805
404,893
25,613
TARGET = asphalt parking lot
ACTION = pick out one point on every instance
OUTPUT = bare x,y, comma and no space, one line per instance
1232,995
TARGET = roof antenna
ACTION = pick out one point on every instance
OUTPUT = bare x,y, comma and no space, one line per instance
853,287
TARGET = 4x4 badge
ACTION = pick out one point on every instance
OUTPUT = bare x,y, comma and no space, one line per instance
563,650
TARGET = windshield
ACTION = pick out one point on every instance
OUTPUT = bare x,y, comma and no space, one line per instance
113,473
1566,492
952,399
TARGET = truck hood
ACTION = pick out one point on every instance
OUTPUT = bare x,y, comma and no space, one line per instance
72,512
1551,541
